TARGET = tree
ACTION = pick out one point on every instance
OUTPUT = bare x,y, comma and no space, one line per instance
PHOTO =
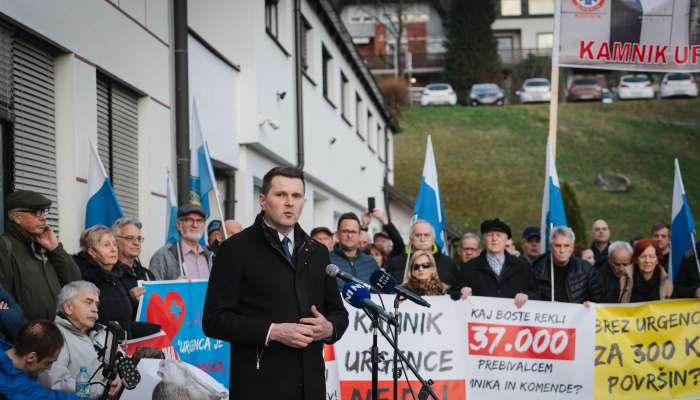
573,212
472,54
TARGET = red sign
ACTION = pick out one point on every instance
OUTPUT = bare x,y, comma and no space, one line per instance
521,341
445,389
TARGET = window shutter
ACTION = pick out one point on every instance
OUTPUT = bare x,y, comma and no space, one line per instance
34,139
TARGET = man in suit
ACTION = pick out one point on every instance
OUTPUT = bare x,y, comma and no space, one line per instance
495,272
269,296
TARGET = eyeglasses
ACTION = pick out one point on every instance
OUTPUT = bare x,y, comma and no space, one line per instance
36,213
131,238
416,267
193,221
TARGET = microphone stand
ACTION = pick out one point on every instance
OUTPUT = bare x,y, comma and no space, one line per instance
109,368
375,356
397,371
426,386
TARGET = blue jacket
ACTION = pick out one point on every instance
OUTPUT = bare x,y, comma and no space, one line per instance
361,268
16,385
11,319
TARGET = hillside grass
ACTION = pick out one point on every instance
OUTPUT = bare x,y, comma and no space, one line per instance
491,160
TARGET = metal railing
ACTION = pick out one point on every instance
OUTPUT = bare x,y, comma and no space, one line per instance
508,57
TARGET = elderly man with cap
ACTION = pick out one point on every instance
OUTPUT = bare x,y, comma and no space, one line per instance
186,258
215,234
531,238
495,272
324,236
33,264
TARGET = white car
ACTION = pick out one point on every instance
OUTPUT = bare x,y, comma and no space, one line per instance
438,93
678,84
635,87
535,90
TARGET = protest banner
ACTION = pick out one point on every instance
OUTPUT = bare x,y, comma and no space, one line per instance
659,35
433,339
332,388
648,351
177,307
539,351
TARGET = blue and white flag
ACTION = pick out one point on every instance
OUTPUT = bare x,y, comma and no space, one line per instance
429,203
682,225
202,179
102,206
171,232
552,202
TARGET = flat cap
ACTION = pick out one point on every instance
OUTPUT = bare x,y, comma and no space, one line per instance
189,209
531,232
214,225
26,199
495,224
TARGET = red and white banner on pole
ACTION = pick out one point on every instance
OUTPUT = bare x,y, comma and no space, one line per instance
643,35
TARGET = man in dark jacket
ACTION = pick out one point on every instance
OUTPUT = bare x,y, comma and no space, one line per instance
616,274
127,231
688,281
575,280
601,240
11,318
269,296
422,237
495,272
33,264
348,255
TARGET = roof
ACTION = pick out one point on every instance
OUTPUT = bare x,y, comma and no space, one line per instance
331,20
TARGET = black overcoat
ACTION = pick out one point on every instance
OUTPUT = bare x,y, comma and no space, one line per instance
516,277
252,285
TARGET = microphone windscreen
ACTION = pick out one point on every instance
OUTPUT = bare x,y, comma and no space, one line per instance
332,270
128,372
383,281
355,294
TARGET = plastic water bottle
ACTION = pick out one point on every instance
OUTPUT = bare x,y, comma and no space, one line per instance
82,383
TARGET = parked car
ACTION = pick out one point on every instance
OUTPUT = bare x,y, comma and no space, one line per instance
534,90
637,86
438,93
607,96
486,93
678,84
585,89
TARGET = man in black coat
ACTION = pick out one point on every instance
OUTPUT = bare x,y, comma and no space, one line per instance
495,272
269,297
422,237
575,280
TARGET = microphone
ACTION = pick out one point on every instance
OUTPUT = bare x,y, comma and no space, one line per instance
129,374
358,297
385,283
334,271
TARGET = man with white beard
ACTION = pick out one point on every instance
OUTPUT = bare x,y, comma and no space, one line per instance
186,258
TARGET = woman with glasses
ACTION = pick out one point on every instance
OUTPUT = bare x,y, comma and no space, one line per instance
649,279
421,275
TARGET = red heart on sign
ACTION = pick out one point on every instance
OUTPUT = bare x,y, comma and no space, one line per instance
168,313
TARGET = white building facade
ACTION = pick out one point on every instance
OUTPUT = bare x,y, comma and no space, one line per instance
103,71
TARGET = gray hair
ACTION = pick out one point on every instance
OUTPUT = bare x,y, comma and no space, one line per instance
619,245
124,221
470,235
421,221
92,235
70,290
562,231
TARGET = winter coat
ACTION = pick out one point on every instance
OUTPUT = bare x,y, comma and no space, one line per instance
253,285
688,279
659,287
362,267
582,281
15,384
78,350
11,319
516,277
33,275
616,290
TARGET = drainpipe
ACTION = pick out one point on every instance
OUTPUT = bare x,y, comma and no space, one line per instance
386,173
299,84
182,101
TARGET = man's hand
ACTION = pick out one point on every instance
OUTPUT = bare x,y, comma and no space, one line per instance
47,239
465,292
114,388
321,327
378,214
136,293
366,219
3,305
293,335
520,299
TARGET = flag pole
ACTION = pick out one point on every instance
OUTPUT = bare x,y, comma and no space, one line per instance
695,251
554,93
551,263
217,195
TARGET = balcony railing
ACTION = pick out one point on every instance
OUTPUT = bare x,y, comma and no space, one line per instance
510,57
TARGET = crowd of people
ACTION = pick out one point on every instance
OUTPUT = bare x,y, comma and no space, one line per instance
54,306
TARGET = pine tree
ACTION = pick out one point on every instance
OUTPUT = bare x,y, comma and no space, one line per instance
472,55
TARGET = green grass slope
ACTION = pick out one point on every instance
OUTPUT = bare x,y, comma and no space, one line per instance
491,160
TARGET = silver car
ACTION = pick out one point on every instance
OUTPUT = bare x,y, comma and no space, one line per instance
486,93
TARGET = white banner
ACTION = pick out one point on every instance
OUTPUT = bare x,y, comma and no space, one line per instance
643,35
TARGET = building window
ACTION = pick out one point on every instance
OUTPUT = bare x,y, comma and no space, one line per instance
344,96
358,116
306,46
272,17
381,148
511,8
370,131
540,7
117,141
545,40
327,80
